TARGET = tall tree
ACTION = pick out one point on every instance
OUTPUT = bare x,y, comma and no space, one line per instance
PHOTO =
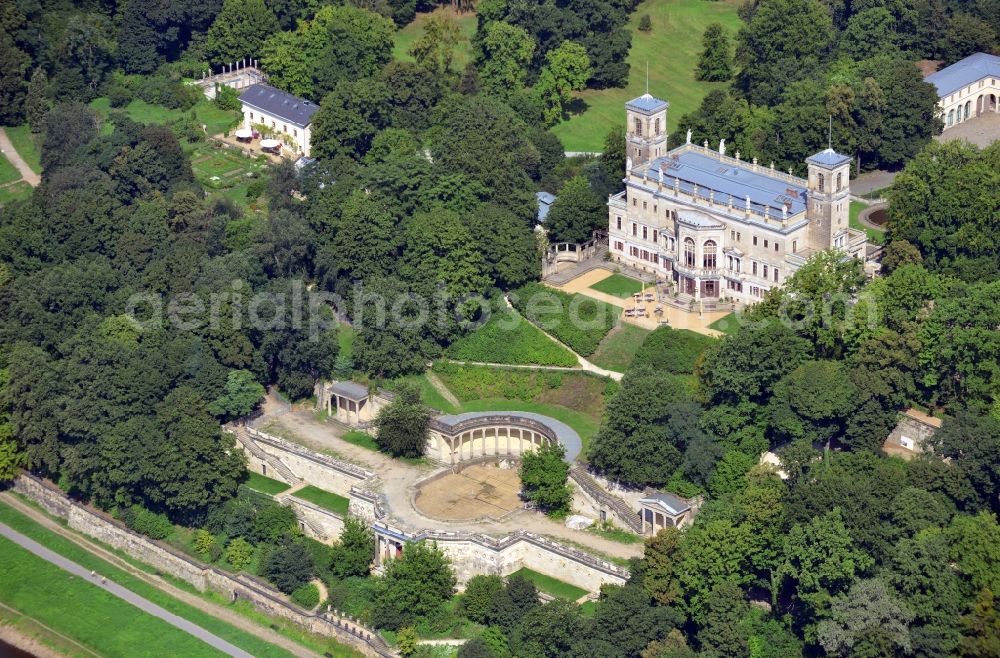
503,61
239,31
401,427
715,63
13,80
414,587
867,621
434,49
36,102
543,476
567,70
576,213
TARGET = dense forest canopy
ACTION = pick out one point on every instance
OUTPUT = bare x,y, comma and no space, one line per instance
140,309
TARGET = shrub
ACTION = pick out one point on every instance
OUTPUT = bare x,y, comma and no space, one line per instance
478,596
119,95
151,524
289,567
256,188
204,541
306,596
645,23
578,321
673,350
239,553
188,130
407,639
227,98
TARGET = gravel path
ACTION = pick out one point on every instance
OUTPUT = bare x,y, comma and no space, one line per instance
122,593
30,177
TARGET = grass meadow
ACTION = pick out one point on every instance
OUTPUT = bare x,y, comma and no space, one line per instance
671,50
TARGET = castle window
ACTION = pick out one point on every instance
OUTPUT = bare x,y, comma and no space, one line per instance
755,240
776,275
775,247
732,235
689,252
635,202
635,230
840,181
739,238
708,254
822,182
638,128
658,130
765,271
645,233
753,266
619,223
656,236
795,245
765,244
644,205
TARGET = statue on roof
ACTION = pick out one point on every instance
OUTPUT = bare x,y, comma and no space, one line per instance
628,165
722,147
689,136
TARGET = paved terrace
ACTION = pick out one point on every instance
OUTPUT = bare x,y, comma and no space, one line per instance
398,480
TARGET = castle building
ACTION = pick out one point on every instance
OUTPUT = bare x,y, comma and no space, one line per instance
288,117
719,226
967,88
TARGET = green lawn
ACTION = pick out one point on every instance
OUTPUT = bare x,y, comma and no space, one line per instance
619,285
8,172
325,499
617,350
58,593
410,33
551,586
361,439
615,534
14,191
206,112
267,485
24,142
428,394
671,49
510,339
727,324
874,235
578,321
72,606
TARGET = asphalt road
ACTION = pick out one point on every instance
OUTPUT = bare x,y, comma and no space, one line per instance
122,593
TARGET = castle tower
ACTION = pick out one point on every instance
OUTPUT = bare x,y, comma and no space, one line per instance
645,129
828,203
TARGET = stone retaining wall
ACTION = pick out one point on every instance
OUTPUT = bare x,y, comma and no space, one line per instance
329,524
203,577
317,469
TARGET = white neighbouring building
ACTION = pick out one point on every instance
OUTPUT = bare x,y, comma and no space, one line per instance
287,117
719,226
967,88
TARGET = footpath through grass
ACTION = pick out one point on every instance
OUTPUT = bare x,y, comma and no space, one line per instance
619,347
510,339
671,50
24,143
551,586
86,613
87,560
14,192
325,499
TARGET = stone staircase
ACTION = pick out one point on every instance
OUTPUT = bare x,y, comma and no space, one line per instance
570,273
598,493
279,466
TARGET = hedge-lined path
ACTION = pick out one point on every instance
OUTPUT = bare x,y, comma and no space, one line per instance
217,611
29,176
443,389
584,363
123,593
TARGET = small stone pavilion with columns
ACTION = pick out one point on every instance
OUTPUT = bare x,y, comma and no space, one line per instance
663,510
349,402
720,226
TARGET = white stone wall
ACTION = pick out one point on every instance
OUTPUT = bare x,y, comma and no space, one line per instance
308,465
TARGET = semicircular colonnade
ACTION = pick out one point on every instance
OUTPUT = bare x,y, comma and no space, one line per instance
460,437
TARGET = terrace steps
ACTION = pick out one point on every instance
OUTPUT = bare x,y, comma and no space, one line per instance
279,466
597,492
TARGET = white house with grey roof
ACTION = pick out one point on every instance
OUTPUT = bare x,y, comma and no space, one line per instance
287,117
720,226
967,88
663,510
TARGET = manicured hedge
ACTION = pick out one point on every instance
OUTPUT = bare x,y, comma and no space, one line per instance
577,320
508,338
673,350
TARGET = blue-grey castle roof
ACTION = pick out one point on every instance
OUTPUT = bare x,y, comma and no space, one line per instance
296,111
963,73
828,158
647,104
545,201
692,168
